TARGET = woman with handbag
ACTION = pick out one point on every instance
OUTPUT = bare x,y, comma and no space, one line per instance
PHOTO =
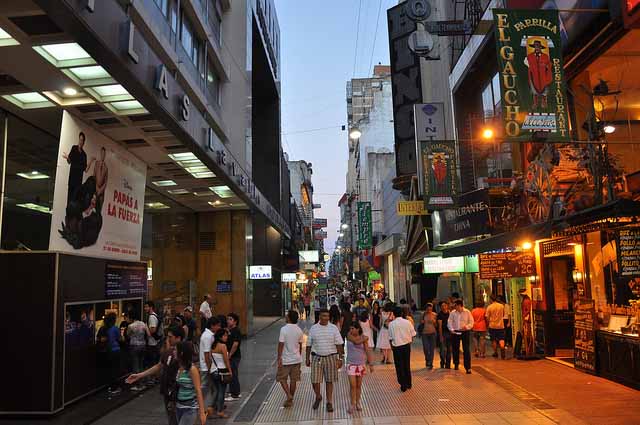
189,400
384,343
220,370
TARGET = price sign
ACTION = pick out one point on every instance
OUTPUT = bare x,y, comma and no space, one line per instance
507,264
585,348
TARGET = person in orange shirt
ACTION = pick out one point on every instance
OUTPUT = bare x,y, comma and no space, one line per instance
479,329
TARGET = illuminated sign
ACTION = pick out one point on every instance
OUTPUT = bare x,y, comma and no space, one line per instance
309,256
432,265
259,272
289,277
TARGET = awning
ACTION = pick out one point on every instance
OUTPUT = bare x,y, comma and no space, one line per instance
620,208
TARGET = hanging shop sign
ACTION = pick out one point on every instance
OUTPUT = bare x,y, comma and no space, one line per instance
433,265
98,202
125,280
319,223
365,235
319,235
585,336
501,265
531,74
470,217
408,208
224,287
289,277
309,256
259,272
429,121
438,162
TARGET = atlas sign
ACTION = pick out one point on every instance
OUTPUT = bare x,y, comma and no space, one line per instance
259,272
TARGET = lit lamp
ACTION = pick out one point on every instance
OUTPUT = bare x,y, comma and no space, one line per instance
527,245
355,133
576,275
344,226
534,279
487,133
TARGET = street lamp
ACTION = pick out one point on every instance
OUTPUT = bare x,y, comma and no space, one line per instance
341,234
355,133
487,133
344,226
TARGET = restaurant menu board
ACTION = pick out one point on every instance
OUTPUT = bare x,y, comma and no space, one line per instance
540,338
629,251
125,280
502,265
585,336
223,287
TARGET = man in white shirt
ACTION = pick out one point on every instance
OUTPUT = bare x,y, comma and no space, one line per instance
205,312
460,324
326,345
290,356
206,380
401,333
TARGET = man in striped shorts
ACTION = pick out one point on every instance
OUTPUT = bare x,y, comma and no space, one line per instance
325,352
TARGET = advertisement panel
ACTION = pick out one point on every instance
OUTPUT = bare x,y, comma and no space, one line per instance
432,265
438,162
98,203
365,232
289,277
319,223
584,352
409,208
501,265
532,82
125,280
469,218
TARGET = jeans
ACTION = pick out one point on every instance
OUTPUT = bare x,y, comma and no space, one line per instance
186,414
137,358
455,343
220,387
428,346
402,360
445,350
170,410
207,388
234,386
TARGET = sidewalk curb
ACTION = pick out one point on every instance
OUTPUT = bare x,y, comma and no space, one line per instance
256,332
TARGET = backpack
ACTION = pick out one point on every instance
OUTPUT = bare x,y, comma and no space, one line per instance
158,335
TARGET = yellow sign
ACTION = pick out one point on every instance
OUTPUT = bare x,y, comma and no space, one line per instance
411,208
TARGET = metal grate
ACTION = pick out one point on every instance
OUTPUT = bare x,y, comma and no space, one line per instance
207,241
557,247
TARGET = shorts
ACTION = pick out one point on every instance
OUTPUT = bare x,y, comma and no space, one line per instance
324,368
356,370
291,371
496,334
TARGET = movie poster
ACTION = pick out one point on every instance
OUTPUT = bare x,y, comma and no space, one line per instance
98,203
532,82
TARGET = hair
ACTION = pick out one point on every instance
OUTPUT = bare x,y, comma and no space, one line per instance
110,320
218,337
458,302
397,311
323,310
356,325
428,305
334,314
205,297
403,301
479,304
364,316
83,136
150,304
223,320
212,321
178,318
103,149
455,295
293,316
493,297
443,302
176,331
405,312
375,303
235,318
185,354
502,299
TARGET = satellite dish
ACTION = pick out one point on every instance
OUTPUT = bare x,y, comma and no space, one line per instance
417,10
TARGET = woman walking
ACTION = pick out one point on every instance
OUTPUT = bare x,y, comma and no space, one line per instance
346,320
479,330
375,321
358,355
335,317
189,400
383,336
365,324
220,369
429,322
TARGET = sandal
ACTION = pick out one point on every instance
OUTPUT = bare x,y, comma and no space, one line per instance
329,407
316,403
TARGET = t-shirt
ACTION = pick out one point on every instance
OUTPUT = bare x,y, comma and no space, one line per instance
191,325
495,314
113,335
206,341
152,322
234,336
291,335
205,309
323,339
358,310
479,322
137,334
444,317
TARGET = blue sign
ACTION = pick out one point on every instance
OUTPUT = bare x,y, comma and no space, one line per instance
223,287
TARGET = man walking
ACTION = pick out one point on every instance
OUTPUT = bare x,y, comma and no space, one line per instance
325,353
460,324
495,316
290,356
233,345
206,341
156,333
445,335
401,333
205,312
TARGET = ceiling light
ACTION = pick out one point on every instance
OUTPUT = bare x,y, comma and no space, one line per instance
183,156
191,164
33,175
34,207
156,206
178,191
355,133
6,39
127,107
222,191
609,129
70,91
89,75
29,100
216,203
65,55
110,93
201,194
165,183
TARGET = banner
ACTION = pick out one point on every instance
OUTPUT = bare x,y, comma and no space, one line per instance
98,202
438,162
469,218
365,232
531,74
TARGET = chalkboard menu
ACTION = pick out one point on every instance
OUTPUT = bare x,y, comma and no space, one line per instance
507,264
540,340
585,336
629,251
125,280
223,287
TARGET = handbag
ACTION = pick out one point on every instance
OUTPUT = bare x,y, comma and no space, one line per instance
420,328
224,377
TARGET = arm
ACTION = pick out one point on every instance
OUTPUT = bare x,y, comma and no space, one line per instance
195,378
280,349
155,369
234,348
450,323
226,360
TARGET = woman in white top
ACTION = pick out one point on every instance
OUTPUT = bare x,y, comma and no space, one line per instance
220,369
365,324
383,336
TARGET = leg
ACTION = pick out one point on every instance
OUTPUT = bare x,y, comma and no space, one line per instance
204,386
328,389
353,392
425,348
467,351
443,351
431,345
448,351
398,364
234,387
406,353
483,343
455,349
187,416
316,389
220,390
170,410
358,392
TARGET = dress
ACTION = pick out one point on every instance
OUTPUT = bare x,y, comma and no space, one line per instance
368,332
383,336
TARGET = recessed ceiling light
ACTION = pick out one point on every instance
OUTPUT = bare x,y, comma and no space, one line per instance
178,191
64,55
34,207
222,191
88,75
183,156
33,175
6,39
110,90
29,100
216,203
70,91
156,206
191,164
201,194
165,183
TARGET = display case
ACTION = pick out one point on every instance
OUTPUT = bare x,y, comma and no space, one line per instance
618,346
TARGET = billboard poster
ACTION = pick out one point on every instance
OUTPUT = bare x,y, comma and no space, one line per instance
532,82
365,232
99,195
438,162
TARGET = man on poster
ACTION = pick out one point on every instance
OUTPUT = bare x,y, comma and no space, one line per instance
101,174
77,159
540,76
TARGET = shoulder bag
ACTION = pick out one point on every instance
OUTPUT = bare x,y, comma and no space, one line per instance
224,377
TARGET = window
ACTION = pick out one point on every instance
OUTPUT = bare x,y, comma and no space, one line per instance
192,45
213,82
215,21
163,5
491,98
487,102
495,84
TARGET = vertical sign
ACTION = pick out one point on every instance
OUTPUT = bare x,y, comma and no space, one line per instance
585,336
531,74
365,234
438,165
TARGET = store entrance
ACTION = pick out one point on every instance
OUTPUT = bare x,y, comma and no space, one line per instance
561,294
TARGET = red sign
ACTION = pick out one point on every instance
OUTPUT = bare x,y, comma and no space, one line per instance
629,15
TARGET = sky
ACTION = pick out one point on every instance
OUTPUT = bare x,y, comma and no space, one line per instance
318,54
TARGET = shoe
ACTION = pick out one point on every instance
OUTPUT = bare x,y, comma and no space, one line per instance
229,398
329,407
403,389
235,397
502,354
448,367
210,412
468,371
316,403
136,388
495,355
430,367
477,355
288,403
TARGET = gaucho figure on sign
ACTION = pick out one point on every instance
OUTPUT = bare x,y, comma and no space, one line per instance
540,72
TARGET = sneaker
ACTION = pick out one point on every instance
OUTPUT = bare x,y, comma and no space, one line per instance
229,398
